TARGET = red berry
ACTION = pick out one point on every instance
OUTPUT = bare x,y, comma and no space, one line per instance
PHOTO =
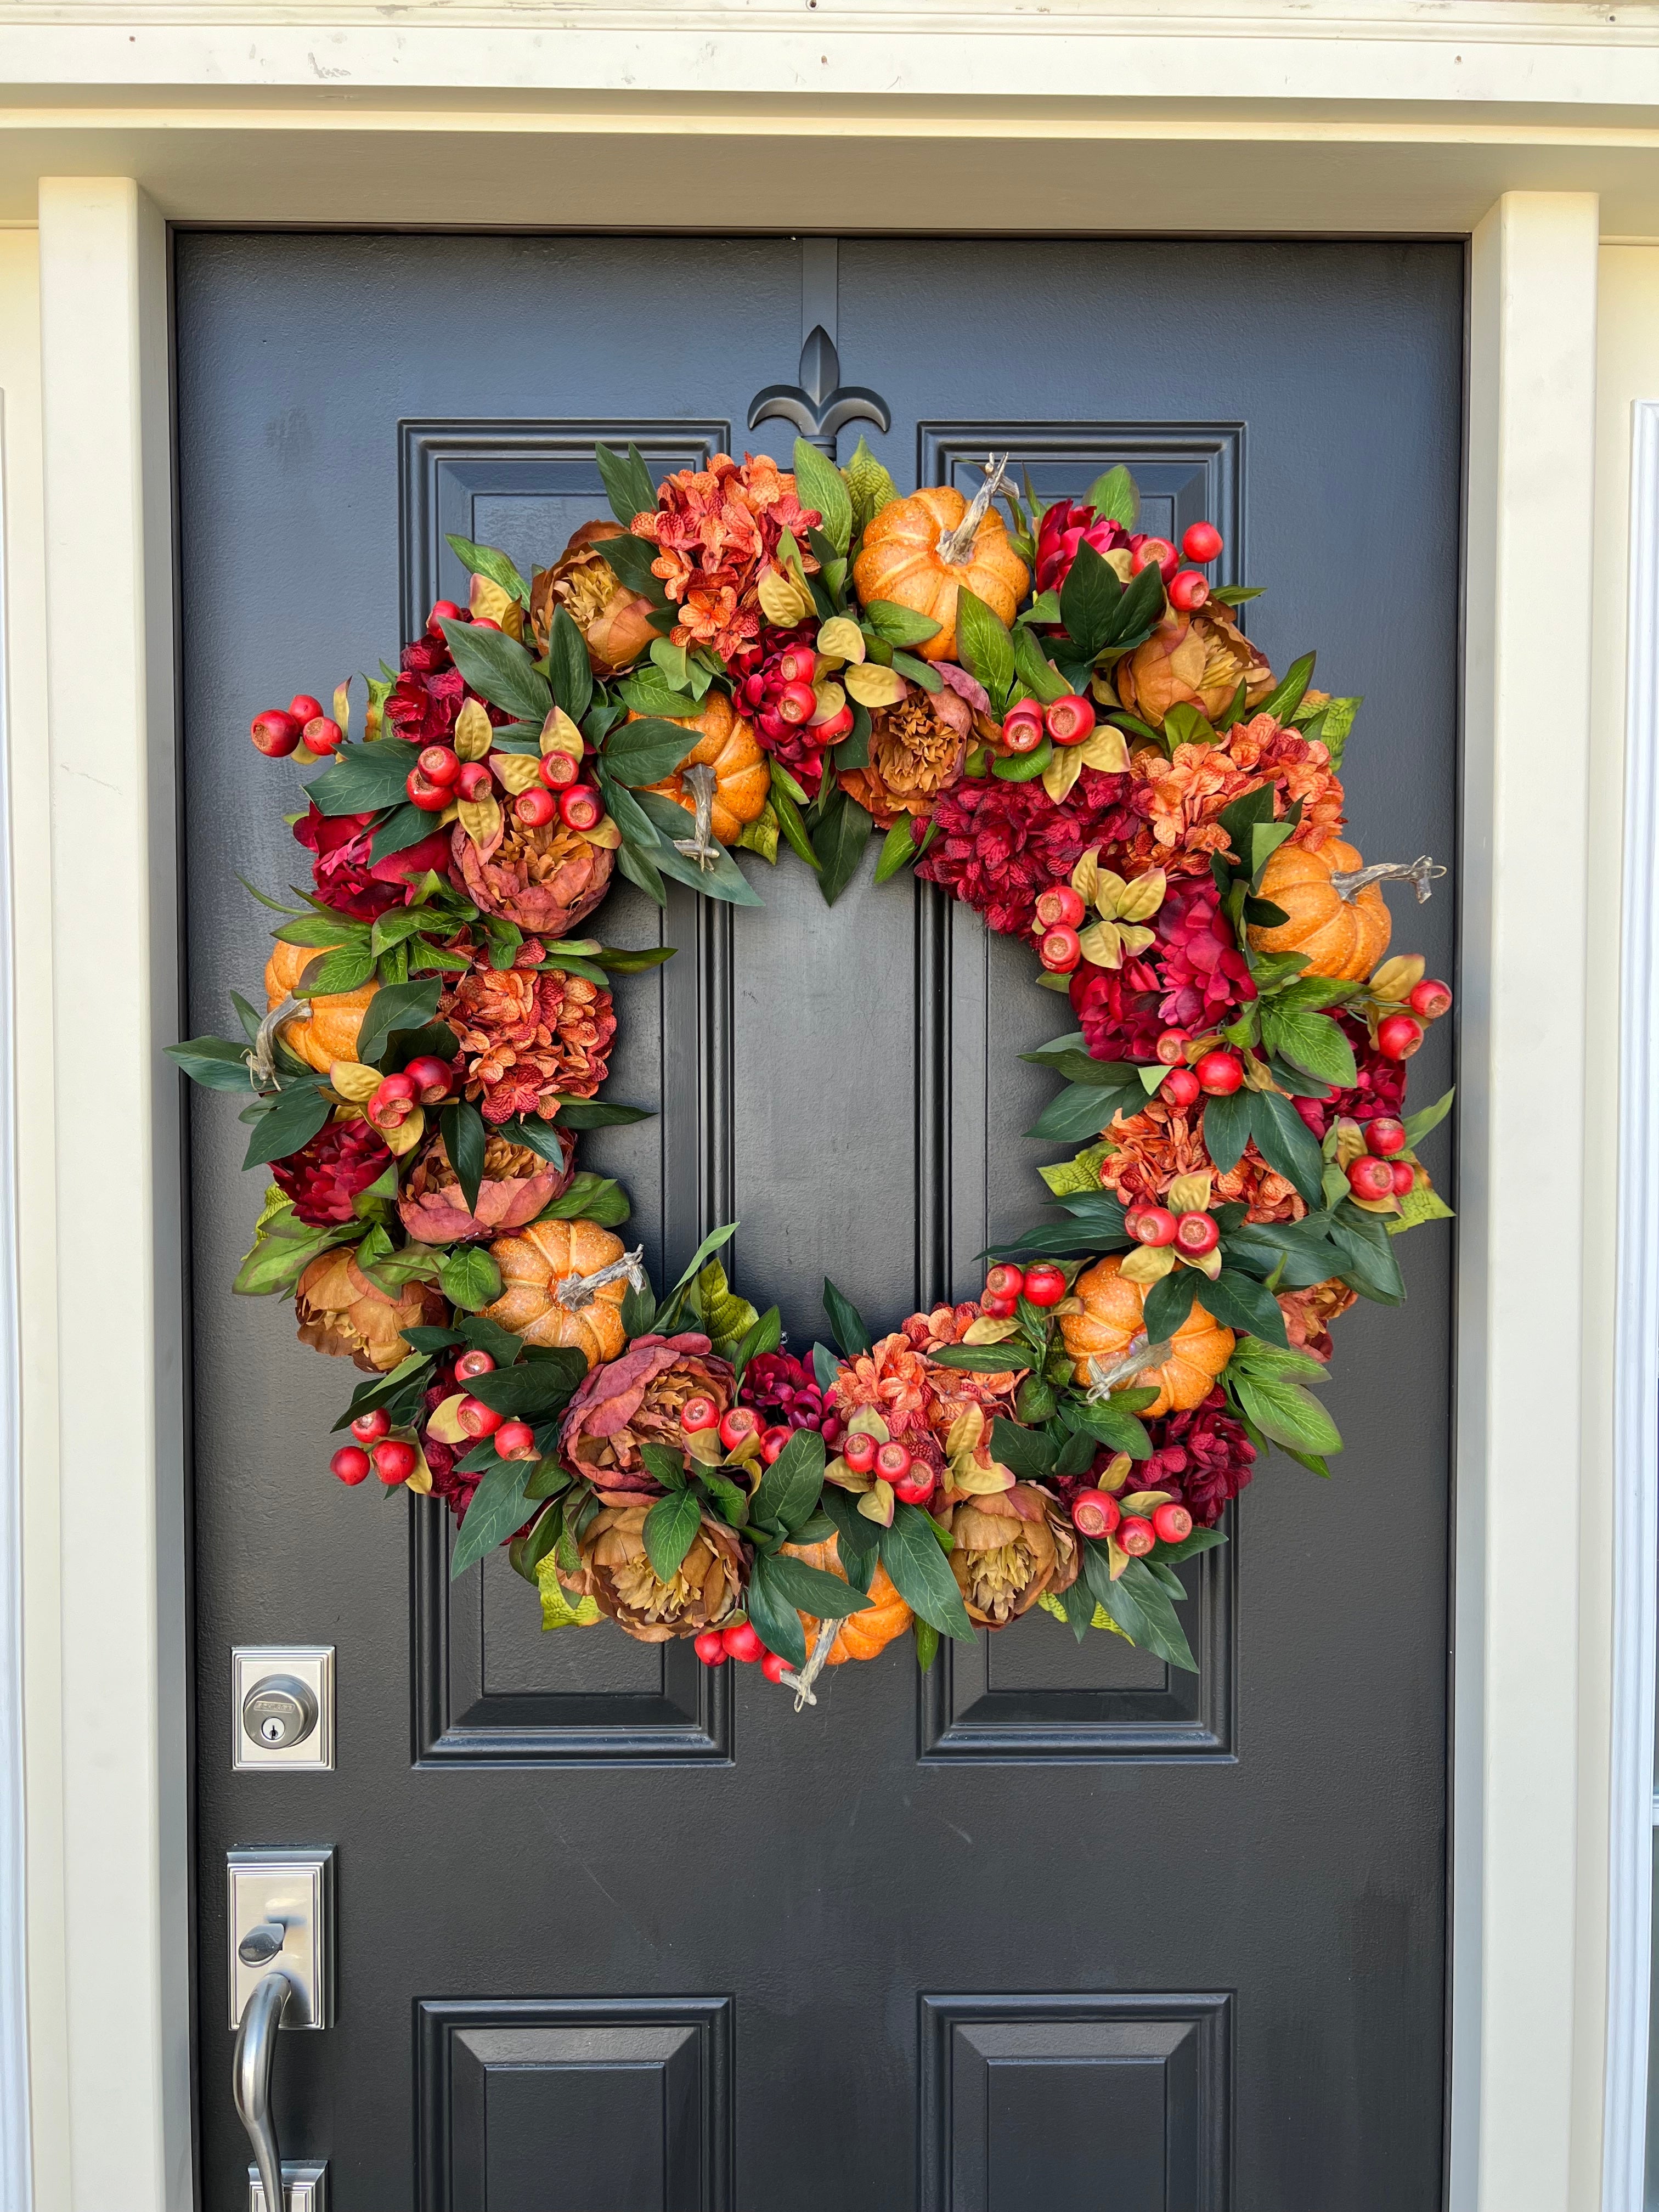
1155,1225
1060,950
1045,1285
323,734
1136,1537
1095,1513
741,1422
274,733
774,1667
916,1487
304,709
1201,541
351,1464
473,1363
1220,1074
1061,905
1197,1234
699,1413
1386,1136
1188,592
1005,1281
394,1460
859,1452
474,780
392,1103
741,1642
1371,1178
536,807
484,622
431,1078
369,1428
893,1460
998,1309
559,769
1171,1047
1180,1087
1431,998
1069,720
830,730
439,763
431,798
1404,1176
516,1440
580,807
1021,727
1399,1036
799,665
444,610
773,1442
710,1648
1172,1523
478,1419
798,703
1131,1213
1154,553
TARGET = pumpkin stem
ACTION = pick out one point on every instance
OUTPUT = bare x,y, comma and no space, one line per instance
700,780
955,545
1140,1355
802,1683
261,1062
1348,883
575,1291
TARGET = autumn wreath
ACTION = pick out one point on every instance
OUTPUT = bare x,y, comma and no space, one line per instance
1063,726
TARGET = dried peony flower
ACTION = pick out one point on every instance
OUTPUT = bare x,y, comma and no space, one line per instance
916,751
548,879
1203,1458
517,1184
1002,844
346,876
1011,1547
528,1034
637,1400
1151,1148
1309,1315
1197,660
615,623
341,1312
325,1177
617,1572
717,531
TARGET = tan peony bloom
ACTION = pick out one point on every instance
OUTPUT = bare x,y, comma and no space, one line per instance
341,1312
917,752
1198,659
1010,1548
517,1184
1309,1315
619,1573
615,623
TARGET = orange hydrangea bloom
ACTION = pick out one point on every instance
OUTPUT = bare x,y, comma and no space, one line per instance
717,531
1161,1142
1189,793
909,1390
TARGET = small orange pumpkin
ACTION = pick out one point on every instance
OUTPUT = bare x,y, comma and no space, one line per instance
1110,1322
329,1031
901,560
743,778
862,1635
1342,936
533,1262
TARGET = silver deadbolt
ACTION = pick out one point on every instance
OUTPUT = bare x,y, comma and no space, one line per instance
280,1710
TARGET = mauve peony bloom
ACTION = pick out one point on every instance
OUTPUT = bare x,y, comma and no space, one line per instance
325,1177
547,880
517,1185
636,1399
346,878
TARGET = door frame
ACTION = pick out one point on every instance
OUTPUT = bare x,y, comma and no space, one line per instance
107,1802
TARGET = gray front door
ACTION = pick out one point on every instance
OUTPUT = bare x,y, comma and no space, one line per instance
1054,1927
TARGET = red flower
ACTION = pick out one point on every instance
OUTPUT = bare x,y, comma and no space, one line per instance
783,1389
1380,1087
1204,975
345,875
1002,844
427,697
1203,1458
324,1177
1063,529
1117,1009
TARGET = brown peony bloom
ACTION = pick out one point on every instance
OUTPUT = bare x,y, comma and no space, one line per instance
1198,658
1161,1142
518,1184
637,1400
916,751
527,1036
619,1573
1011,1547
341,1312
615,623
1309,1315
546,879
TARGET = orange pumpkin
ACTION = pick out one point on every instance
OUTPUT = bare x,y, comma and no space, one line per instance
901,560
1342,936
743,778
533,1262
329,1031
1110,1322
862,1634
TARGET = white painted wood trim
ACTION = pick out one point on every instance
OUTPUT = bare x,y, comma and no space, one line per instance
1635,1414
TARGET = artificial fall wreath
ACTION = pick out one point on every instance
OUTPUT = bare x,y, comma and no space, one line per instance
1064,726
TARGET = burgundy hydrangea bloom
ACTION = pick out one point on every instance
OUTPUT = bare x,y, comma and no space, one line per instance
1001,845
1118,1008
1203,1458
324,1177
1063,529
783,1391
1380,1087
347,879
427,699
1205,976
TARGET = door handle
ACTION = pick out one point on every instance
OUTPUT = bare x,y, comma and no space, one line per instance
255,2055
281,1926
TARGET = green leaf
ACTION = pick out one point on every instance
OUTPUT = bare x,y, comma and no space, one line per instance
773,1619
846,1323
926,1638
858,1541
361,779
1035,670
1288,1413
669,1528
503,1347
839,838
1114,496
486,561
631,558
898,846
465,1141
1012,1354
1080,1173
726,1318
344,970
819,483
918,672
1168,1302
1422,1204
645,751
1418,1125
284,1247
1227,1129
601,1114
1285,1142
1311,1041
789,820
590,1198
639,1310
710,1244
395,1006
810,1589
499,669
294,1120
722,879
896,625
1028,1451
1366,1261
1107,1424
647,691
911,1555
1082,1109
984,647
1239,1302
1161,1630
1089,602
628,484
216,1063
569,670
1334,725
496,1509
1283,702
765,1334
869,485
469,1278
532,1389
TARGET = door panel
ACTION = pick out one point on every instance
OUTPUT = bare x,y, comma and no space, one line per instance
1053,1925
